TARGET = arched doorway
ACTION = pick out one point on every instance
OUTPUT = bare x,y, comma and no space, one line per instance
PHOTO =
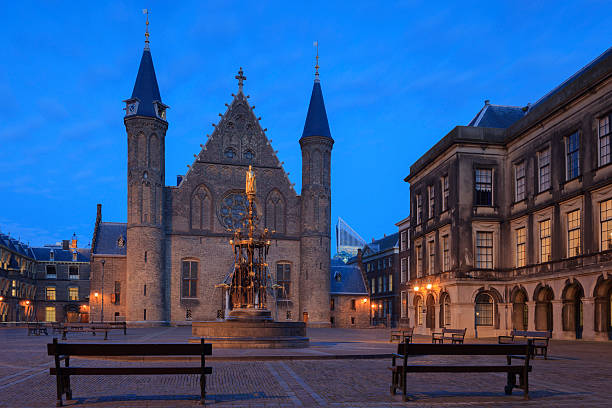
418,310
445,315
572,308
603,306
520,310
483,310
73,314
544,296
431,312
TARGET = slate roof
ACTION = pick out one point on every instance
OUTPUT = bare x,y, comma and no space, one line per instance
59,255
16,246
145,88
346,279
316,119
108,238
383,244
497,116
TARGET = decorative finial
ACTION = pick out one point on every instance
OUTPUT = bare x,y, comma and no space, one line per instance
146,12
316,44
241,78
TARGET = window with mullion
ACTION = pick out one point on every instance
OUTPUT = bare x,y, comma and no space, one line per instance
544,169
545,241
445,254
521,252
519,182
190,279
573,233
484,250
283,278
484,187
445,193
604,140
419,209
432,257
572,150
432,201
605,217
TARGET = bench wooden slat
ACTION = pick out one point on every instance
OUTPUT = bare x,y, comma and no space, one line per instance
463,369
132,349
130,370
462,349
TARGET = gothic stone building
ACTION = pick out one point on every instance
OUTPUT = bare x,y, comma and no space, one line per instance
512,217
166,264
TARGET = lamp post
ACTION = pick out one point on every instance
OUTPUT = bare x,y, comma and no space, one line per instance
102,310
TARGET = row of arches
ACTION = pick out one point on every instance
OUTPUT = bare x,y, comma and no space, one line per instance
318,167
201,210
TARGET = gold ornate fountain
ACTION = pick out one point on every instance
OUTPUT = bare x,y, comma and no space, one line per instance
249,323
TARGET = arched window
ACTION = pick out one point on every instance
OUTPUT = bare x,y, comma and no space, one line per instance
200,208
445,313
484,309
249,155
189,279
283,279
275,212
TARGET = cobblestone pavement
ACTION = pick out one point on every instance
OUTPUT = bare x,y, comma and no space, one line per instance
576,374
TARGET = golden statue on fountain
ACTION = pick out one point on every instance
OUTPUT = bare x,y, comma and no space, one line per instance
250,275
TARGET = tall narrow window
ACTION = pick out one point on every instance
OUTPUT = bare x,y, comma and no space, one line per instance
419,261
604,140
545,241
445,254
419,310
521,250
484,310
403,269
73,293
51,272
73,272
484,187
190,279
117,293
572,151
447,311
445,193
605,216
484,250
403,304
283,278
573,233
373,285
403,240
49,314
380,284
519,182
432,257
544,169
390,282
432,201
419,209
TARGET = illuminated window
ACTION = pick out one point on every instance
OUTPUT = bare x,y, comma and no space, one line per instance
484,250
447,311
573,233
390,282
190,279
545,241
50,293
604,140
572,152
73,293
519,182
544,169
605,211
419,311
403,304
283,278
521,250
49,314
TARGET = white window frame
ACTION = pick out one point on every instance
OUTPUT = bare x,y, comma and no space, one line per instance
608,118
445,192
519,177
403,269
541,166
431,202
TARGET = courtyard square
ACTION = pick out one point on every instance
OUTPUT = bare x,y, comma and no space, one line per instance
328,373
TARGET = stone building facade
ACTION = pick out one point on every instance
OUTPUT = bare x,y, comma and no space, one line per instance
404,271
169,262
349,303
512,217
380,262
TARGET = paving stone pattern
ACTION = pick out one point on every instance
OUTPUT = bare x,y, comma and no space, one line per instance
577,374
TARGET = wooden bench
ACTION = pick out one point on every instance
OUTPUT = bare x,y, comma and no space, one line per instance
456,336
87,328
37,329
402,335
540,340
406,350
63,351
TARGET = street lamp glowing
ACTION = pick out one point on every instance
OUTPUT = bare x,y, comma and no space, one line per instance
429,286
95,294
27,302
416,288
1,298
364,300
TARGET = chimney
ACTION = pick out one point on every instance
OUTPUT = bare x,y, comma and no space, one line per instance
73,243
65,244
99,212
487,102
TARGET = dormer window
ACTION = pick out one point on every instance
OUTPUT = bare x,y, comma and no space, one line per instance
338,276
51,255
160,110
131,106
249,155
229,153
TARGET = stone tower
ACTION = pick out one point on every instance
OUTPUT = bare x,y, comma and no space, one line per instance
316,144
145,123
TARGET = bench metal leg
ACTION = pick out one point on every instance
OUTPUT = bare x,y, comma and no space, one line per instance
60,390
203,389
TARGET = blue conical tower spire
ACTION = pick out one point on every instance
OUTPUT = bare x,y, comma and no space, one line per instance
146,90
316,119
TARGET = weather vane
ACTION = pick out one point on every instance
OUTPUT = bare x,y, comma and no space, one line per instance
316,44
146,12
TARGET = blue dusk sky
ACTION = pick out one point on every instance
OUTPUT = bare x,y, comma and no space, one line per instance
396,78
